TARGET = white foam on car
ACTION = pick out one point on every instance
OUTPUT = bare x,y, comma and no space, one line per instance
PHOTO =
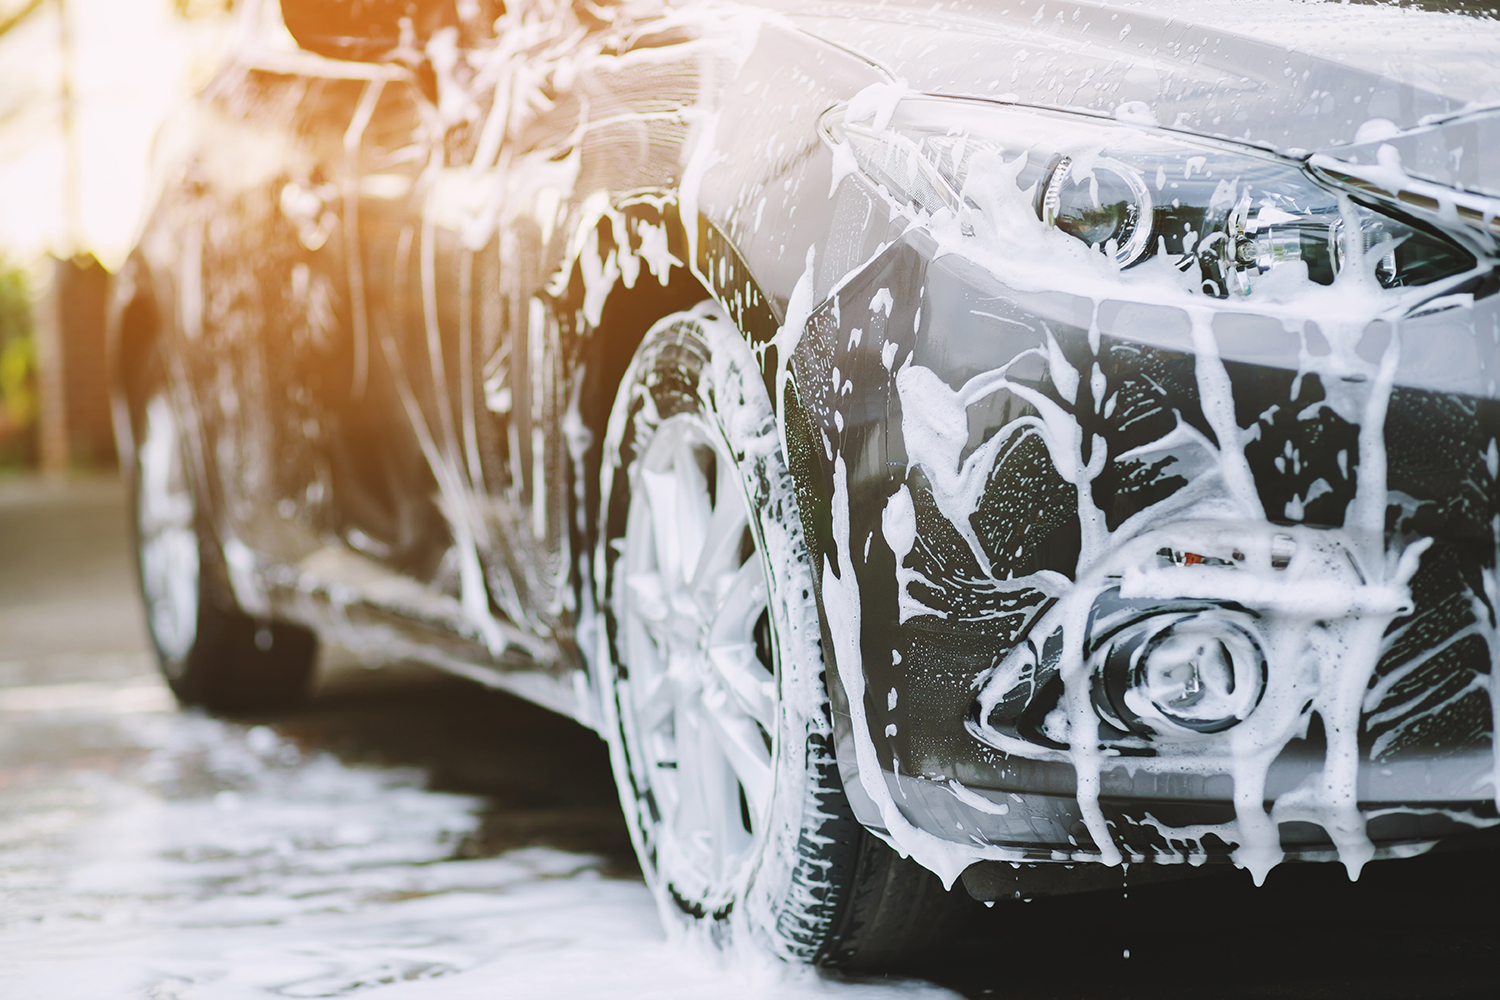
544,48
1026,255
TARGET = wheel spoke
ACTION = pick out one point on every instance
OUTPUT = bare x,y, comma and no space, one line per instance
701,699
747,681
743,746
700,776
726,531
691,521
661,497
731,641
168,513
653,701
647,596
740,605
719,791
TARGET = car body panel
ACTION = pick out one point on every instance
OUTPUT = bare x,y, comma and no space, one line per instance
1291,79
942,622
400,296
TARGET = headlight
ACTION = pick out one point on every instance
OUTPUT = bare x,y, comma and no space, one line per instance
1227,216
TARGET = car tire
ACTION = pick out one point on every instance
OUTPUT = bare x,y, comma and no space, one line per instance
211,653
713,686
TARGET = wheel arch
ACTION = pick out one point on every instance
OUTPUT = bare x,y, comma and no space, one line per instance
133,327
708,266
650,267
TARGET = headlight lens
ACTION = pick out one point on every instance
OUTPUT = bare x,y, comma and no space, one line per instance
1108,207
1227,216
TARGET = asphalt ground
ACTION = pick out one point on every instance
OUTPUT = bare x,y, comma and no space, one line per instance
77,686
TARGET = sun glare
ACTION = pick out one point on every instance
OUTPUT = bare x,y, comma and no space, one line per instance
130,62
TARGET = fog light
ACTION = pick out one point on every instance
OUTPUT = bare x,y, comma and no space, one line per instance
1182,673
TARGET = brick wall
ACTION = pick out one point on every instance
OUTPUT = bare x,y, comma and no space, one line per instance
73,382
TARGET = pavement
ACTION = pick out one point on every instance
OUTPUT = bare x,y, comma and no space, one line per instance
406,835
73,649
409,834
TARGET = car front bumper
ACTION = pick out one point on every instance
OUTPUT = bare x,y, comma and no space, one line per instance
988,471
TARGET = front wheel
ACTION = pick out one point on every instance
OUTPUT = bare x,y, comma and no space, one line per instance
210,652
715,705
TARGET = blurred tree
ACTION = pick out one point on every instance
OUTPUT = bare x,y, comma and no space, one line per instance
10,18
18,402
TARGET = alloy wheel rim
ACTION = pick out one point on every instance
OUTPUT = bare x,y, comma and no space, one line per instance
699,703
168,539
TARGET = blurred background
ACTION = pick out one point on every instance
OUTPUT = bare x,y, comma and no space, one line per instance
84,84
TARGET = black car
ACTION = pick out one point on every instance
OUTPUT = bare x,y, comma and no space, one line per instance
982,441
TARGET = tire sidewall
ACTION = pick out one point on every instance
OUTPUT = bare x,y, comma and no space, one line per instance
781,901
151,384
233,662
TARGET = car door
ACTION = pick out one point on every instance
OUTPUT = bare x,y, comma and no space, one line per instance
262,305
546,133
456,270
449,457
386,507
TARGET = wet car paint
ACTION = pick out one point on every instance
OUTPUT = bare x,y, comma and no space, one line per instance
400,340
944,621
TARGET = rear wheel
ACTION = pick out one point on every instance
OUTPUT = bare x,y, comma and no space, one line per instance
210,652
715,702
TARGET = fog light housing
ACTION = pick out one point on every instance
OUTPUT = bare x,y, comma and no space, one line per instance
1181,673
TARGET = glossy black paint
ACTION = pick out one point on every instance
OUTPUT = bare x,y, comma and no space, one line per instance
970,324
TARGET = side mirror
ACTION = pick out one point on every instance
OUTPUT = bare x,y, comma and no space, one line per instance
362,30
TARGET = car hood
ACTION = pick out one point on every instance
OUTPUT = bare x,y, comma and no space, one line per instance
1294,77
